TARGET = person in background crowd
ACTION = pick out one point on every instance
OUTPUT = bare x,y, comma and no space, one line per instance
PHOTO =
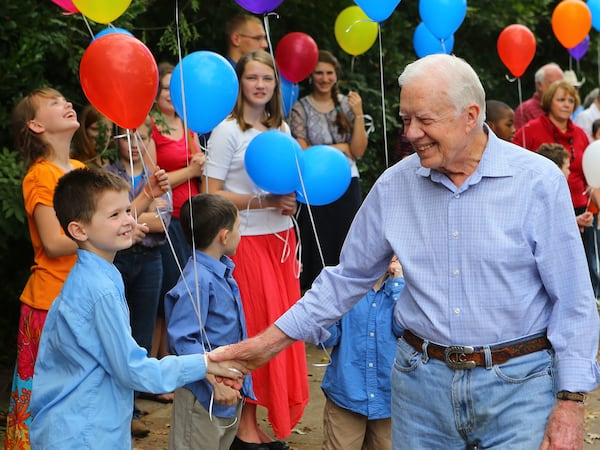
356,383
91,144
585,119
244,33
500,118
532,108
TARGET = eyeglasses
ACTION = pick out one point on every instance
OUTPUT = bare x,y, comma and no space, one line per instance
258,37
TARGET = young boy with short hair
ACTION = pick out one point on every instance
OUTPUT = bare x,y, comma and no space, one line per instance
203,312
88,364
500,118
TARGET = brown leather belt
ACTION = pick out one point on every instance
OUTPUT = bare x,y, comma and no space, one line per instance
466,357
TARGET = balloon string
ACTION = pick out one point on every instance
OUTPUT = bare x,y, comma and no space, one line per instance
356,22
268,33
352,64
443,45
310,215
520,91
195,301
598,58
385,144
87,24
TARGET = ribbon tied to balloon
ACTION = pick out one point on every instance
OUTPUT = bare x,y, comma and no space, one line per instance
354,31
571,22
516,48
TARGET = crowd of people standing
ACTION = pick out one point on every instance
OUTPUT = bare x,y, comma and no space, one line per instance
467,161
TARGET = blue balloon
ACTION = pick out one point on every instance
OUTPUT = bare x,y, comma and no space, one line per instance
426,43
326,175
377,10
110,30
289,94
273,161
442,17
211,89
594,6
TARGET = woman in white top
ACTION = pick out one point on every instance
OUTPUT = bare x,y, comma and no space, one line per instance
266,267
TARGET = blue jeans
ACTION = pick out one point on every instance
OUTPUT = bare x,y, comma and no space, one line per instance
141,268
496,407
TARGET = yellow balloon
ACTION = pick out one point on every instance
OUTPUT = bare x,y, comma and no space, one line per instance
102,11
354,31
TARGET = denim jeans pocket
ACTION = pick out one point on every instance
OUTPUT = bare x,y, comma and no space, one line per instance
407,358
523,368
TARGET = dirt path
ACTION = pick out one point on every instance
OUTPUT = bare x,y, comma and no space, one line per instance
306,436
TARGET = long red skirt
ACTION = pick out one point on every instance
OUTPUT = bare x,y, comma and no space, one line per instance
266,272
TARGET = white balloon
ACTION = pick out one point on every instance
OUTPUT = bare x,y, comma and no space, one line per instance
591,164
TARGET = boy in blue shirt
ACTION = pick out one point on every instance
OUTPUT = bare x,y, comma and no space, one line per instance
356,384
88,364
204,311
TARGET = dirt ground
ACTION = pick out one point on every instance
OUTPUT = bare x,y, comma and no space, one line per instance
307,434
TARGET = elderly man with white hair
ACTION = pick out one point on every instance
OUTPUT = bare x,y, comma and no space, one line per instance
500,338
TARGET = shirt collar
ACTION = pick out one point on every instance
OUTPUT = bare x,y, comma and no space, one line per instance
223,267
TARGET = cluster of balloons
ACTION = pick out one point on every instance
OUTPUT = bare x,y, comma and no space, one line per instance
440,19
571,22
276,163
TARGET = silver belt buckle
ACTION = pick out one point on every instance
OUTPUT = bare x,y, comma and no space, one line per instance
456,357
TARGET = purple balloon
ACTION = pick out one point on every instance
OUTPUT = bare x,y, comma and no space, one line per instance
580,49
259,6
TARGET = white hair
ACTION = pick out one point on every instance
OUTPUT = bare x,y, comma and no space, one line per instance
462,84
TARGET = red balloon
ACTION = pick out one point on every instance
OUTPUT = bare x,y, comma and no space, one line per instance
119,77
516,48
296,56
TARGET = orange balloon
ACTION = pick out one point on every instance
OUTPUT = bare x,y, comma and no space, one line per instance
571,22
516,48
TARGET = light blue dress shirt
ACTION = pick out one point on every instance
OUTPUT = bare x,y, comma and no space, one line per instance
204,311
89,365
497,259
358,378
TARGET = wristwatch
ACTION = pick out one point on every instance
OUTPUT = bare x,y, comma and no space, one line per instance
573,396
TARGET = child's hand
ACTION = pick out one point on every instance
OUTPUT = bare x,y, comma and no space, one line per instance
395,269
140,231
585,220
229,372
158,184
224,395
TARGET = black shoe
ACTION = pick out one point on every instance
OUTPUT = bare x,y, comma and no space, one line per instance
278,445
238,444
